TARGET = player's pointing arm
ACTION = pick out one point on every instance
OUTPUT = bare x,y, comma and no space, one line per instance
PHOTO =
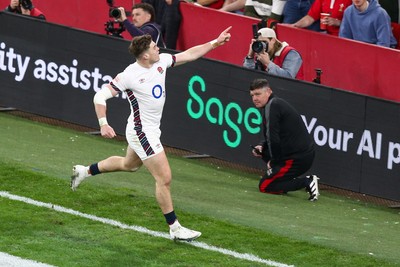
200,50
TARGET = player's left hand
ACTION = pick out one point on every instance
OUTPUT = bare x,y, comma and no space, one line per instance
107,131
224,37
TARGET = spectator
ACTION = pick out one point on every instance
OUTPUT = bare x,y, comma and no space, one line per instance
295,10
287,148
234,6
269,10
392,7
143,22
215,4
25,7
334,8
169,17
367,21
278,58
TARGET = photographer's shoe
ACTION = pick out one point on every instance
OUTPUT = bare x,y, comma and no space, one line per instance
79,173
312,188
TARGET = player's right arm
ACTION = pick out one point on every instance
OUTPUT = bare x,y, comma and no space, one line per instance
100,107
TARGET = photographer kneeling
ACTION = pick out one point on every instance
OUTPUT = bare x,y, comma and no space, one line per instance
25,7
277,58
143,22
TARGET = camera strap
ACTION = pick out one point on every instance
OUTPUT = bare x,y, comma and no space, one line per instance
159,35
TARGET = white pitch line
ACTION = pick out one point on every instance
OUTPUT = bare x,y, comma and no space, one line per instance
243,256
7,260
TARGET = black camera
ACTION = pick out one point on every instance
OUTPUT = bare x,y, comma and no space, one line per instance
259,46
115,13
113,27
26,4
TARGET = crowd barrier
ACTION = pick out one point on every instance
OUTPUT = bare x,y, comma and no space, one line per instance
86,15
345,64
208,108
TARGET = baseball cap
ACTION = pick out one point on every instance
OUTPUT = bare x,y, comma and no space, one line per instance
267,32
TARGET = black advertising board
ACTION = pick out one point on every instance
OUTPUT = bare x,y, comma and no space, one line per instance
54,71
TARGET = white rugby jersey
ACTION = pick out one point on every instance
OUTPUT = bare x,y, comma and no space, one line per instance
145,90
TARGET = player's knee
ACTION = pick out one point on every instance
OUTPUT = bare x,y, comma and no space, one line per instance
134,169
166,180
132,166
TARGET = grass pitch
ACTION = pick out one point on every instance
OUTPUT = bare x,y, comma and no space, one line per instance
36,161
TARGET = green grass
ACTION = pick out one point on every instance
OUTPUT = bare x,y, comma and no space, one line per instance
36,161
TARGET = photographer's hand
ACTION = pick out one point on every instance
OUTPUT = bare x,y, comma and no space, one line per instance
14,4
123,15
263,57
25,11
257,151
250,54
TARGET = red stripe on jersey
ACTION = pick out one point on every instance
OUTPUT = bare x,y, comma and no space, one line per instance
173,60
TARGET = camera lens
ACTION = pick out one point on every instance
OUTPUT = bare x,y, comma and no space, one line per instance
115,13
26,4
258,46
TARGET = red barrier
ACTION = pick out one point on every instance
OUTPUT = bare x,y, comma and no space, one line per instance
87,15
346,64
201,24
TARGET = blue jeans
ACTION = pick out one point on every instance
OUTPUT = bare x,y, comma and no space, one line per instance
296,9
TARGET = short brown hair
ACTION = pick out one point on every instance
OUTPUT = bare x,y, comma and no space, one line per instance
146,8
139,44
258,84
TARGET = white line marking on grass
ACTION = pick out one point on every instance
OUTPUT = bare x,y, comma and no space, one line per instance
243,256
7,260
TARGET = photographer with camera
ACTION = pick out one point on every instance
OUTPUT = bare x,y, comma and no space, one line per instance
143,22
25,7
273,56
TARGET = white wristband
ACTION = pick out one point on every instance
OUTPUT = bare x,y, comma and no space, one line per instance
103,121
214,43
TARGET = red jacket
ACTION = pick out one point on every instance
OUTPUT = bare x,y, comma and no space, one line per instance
279,61
37,13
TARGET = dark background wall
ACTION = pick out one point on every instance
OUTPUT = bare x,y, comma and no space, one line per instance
54,71
346,64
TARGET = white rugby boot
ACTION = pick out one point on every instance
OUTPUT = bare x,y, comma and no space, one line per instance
178,232
79,173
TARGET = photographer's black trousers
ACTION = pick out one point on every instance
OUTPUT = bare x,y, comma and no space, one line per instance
284,176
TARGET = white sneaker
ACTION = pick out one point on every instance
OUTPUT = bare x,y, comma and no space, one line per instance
312,188
183,233
79,173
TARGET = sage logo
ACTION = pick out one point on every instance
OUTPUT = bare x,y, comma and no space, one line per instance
231,116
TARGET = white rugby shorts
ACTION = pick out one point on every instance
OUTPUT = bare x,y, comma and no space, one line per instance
145,145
